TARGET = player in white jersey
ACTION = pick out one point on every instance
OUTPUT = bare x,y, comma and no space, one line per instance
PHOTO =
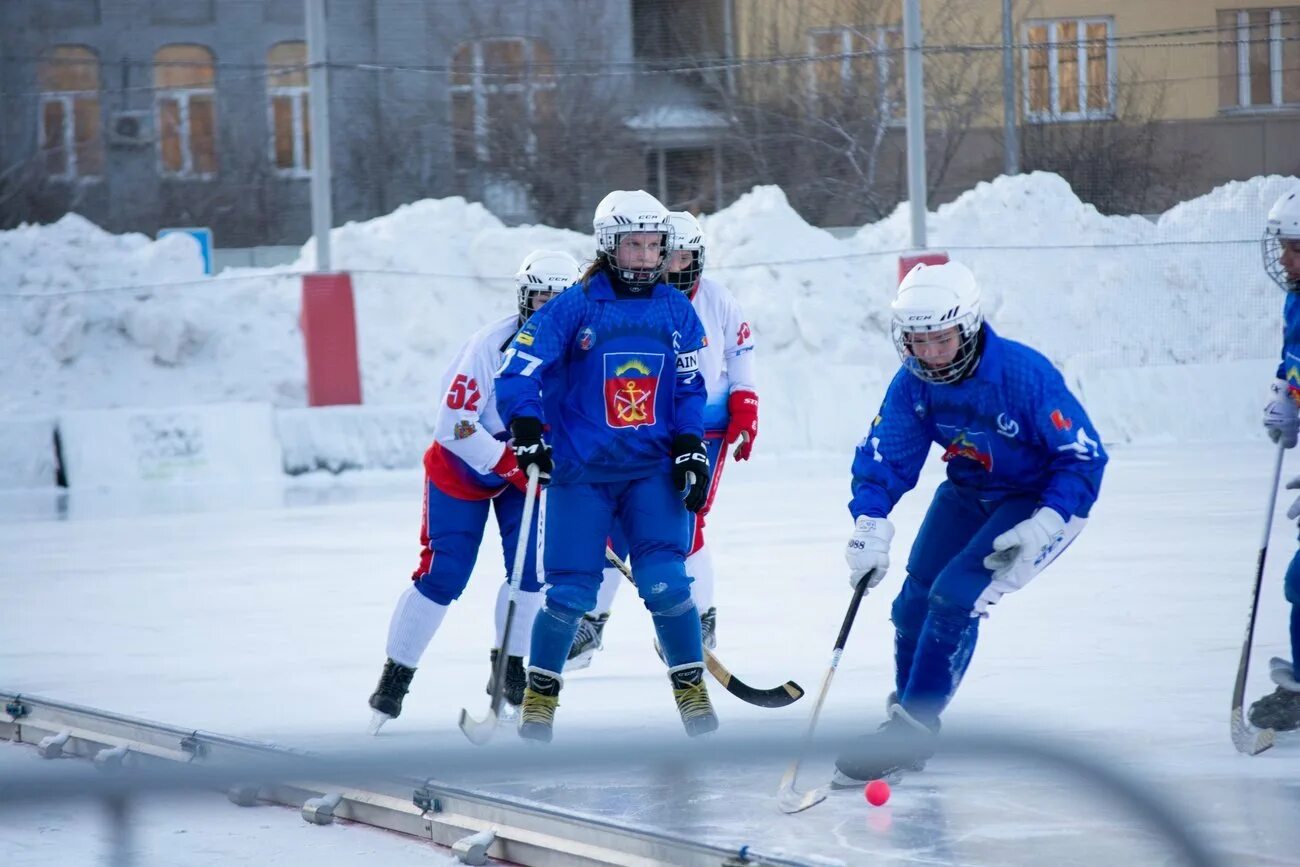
468,470
730,416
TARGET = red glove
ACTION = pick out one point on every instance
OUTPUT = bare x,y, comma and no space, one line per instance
508,469
743,426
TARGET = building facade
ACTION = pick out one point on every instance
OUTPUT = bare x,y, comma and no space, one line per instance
142,114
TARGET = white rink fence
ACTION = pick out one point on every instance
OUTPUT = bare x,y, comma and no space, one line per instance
1166,326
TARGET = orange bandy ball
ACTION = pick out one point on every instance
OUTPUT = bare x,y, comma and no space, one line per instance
877,792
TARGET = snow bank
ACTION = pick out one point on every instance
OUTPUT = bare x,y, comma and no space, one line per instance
93,320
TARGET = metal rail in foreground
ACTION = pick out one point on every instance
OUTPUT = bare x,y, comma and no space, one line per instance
472,823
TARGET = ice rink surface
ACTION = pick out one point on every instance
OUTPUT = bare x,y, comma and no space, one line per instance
262,613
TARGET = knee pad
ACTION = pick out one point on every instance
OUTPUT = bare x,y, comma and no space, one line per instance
663,585
571,597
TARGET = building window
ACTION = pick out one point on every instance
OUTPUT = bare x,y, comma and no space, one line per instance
500,88
185,96
853,61
70,142
287,111
1069,69
1259,58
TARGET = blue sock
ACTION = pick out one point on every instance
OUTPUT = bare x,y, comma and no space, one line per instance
1295,640
943,653
553,633
678,629
904,653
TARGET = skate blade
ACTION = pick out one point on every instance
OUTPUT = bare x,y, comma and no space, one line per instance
579,662
377,720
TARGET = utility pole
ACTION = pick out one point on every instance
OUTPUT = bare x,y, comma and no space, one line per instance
1010,138
318,100
915,90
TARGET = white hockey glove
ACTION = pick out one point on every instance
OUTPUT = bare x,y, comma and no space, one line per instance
868,550
1294,512
1281,416
1020,553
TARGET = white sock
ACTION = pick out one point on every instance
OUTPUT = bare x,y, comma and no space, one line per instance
700,567
521,630
610,580
415,620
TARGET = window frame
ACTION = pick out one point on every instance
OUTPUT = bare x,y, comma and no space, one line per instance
528,86
1276,102
882,62
68,101
182,96
1053,114
298,96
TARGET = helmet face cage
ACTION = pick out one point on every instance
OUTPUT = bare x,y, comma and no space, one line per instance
1272,244
608,239
536,280
968,325
687,238
686,278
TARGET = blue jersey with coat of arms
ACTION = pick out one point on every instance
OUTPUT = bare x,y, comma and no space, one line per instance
1289,369
614,377
1011,427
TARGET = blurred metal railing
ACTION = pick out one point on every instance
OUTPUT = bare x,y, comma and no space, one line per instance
376,787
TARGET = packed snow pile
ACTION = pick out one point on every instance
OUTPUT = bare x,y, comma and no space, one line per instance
95,320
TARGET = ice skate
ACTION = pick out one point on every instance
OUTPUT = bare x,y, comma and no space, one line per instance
516,679
386,700
1280,709
692,698
901,745
709,628
541,698
587,641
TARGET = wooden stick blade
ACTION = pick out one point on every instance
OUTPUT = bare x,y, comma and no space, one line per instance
1248,739
479,732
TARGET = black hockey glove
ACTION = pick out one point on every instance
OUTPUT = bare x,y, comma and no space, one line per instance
691,470
529,447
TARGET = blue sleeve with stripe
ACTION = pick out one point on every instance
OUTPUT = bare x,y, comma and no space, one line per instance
888,461
537,346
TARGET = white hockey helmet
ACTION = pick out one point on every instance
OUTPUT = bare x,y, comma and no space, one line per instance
934,298
547,272
624,212
688,236
1283,226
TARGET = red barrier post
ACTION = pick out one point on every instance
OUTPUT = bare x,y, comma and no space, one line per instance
910,260
329,331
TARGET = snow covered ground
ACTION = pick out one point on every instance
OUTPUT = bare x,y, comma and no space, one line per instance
263,614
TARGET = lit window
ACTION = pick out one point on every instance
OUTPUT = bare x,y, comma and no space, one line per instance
185,95
1068,68
287,111
70,141
499,89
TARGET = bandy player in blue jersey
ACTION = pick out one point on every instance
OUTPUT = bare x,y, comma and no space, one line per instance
1024,469
617,360
1280,709
468,470
730,418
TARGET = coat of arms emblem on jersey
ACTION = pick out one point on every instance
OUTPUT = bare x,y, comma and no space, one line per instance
631,385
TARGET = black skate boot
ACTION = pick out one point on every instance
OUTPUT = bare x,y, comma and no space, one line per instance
709,628
386,701
541,698
901,744
587,641
692,698
1279,710
516,679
